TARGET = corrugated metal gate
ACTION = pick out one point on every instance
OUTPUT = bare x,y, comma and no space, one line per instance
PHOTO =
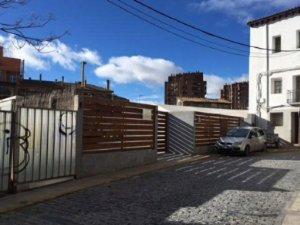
41,143
47,145
5,132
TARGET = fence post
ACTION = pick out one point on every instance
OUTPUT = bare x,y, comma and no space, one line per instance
155,128
194,127
167,132
78,135
13,147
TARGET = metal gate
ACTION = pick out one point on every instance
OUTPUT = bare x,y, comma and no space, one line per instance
47,144
5,134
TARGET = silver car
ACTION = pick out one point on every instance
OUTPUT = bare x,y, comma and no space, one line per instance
242,140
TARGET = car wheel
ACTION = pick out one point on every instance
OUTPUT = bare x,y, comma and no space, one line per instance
247,150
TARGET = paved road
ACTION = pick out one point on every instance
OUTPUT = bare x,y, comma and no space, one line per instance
226,190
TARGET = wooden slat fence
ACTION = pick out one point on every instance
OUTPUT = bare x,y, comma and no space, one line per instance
117,126
209,127
162,132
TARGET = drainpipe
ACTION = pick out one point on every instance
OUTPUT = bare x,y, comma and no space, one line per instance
268,68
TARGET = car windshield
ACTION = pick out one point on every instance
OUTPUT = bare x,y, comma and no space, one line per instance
238,133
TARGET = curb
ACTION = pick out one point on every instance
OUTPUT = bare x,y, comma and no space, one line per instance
23,199
291,215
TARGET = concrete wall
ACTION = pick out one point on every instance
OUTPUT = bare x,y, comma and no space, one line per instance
181,126
7,103
282,65
93,164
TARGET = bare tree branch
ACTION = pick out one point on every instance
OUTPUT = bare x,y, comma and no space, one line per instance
19,28
4,4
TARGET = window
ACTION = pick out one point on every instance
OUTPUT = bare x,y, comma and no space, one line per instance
12,78
298,39
276,119
260,133
253,134
276,44
276,86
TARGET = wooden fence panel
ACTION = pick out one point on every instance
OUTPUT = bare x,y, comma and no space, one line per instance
162,132
210,127
117,126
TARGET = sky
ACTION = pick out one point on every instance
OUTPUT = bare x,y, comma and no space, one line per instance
136,56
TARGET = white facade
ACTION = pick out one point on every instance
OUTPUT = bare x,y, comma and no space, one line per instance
280,94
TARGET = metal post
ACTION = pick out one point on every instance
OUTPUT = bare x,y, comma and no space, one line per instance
78,133
268,67
13,148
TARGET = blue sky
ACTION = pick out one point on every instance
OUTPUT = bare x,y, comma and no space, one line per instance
136,56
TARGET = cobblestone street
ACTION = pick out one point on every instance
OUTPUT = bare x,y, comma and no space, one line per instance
226,190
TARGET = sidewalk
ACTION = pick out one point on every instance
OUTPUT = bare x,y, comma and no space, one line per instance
292,214
22,199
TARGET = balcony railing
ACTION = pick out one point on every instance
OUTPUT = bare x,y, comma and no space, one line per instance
293,97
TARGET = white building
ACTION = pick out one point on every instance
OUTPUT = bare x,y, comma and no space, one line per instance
274,75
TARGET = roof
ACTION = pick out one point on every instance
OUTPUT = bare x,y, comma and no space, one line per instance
275,17
203,100
58,84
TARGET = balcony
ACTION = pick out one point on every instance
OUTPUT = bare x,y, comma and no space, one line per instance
293,97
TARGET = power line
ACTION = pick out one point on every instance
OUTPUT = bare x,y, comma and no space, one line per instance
173,33
195,36
181,30
204,31
178,35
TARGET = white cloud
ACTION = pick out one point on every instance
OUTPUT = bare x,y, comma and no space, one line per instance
56,52
127,69
215,83
242,10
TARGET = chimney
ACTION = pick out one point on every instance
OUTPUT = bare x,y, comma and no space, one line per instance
22,69
83,79
62,79
40,77
1,51
108,85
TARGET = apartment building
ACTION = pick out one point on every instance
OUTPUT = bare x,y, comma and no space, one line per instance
189,85
237,94
10,68
274,73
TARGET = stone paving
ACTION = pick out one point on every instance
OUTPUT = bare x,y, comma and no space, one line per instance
226,190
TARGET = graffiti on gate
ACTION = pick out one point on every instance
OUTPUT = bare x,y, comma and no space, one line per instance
63,128
23,142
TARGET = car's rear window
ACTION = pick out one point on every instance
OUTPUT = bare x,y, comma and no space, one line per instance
238,132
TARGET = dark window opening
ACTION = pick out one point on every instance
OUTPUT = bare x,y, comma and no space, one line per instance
277,89
298,39
277,44
276,119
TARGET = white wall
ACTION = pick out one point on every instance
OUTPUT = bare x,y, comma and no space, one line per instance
7,103
287,29
227,112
